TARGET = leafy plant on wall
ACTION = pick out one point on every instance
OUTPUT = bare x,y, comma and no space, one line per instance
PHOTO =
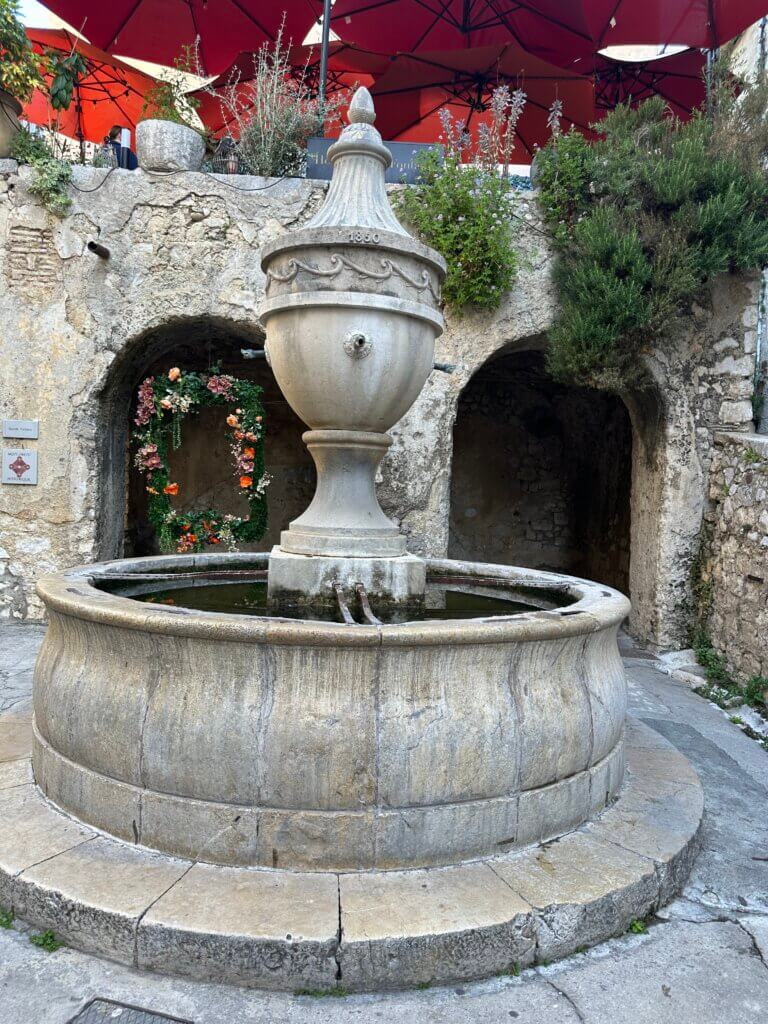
643,218
162,405
21,69
463,210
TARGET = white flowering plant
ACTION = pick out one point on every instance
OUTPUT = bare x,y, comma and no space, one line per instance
462,209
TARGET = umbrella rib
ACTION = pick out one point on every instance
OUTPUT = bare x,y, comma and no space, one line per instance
123,23
250,17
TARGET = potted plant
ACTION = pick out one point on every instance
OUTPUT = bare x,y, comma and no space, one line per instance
20,73
165,141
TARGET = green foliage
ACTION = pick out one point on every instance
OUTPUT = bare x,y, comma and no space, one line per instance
52,175
6,918
638,927
751,456
66,70
162,405
20,67
642,219
46,940
463,212
337,992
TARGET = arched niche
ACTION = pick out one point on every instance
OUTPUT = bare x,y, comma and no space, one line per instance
203,465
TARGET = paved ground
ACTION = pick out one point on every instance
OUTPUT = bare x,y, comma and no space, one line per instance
705,961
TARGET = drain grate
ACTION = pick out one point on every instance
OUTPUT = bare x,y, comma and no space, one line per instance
105,1011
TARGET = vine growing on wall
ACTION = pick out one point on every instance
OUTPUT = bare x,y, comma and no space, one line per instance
162,405
643,218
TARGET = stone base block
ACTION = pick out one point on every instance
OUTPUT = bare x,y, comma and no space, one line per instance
360,930
297,581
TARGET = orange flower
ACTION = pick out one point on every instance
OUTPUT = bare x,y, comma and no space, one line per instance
239,435
232,420
151,490
165,403
191,537
246,481
174,373
249,453
250,436
213,539
171,489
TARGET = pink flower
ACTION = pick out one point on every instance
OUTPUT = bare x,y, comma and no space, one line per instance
221,385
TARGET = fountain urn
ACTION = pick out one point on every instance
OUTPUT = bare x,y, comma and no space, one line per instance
351,315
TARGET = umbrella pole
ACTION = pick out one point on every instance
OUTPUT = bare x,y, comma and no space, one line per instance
325,41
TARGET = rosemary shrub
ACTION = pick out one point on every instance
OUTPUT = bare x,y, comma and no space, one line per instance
642,219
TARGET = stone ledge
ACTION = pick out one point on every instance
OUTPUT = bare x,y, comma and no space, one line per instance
367,930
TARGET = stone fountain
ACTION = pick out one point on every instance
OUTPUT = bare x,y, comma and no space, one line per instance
352,313
418,792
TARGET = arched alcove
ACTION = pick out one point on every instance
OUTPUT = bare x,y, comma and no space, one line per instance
203,464
542,473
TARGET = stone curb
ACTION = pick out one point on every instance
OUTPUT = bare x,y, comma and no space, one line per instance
362,931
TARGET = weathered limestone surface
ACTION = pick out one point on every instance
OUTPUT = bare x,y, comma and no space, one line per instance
371,930
735,553
316,746
76,331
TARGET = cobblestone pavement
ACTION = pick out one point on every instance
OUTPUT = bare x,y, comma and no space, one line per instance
705,959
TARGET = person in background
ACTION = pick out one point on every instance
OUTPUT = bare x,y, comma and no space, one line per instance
112,142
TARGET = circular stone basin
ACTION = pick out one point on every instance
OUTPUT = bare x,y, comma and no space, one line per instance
308,745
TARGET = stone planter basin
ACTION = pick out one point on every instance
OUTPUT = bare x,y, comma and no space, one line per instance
319,746
166,146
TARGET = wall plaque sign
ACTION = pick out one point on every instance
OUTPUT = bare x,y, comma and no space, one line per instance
21,428
19,466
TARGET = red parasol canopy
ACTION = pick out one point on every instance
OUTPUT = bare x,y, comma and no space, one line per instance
701,23
679,79
416,87
156,30
552,29
347,67
109,93
562,31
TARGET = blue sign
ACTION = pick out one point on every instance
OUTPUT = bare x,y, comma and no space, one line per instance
403,167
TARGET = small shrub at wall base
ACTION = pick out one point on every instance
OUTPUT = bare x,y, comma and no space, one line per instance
642,219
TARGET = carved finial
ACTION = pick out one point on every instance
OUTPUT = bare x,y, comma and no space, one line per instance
361,108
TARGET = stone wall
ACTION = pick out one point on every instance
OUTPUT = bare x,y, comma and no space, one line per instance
78,332
735,564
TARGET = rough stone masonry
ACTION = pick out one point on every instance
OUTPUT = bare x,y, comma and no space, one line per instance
77,332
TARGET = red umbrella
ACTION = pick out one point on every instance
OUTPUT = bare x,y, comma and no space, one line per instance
109,93
702,23
347,67
679,79
416,87
156,30
551,29
561,31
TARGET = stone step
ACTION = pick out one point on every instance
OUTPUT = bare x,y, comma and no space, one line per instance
362,930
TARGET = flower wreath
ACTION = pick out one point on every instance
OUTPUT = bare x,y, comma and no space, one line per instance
162,405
